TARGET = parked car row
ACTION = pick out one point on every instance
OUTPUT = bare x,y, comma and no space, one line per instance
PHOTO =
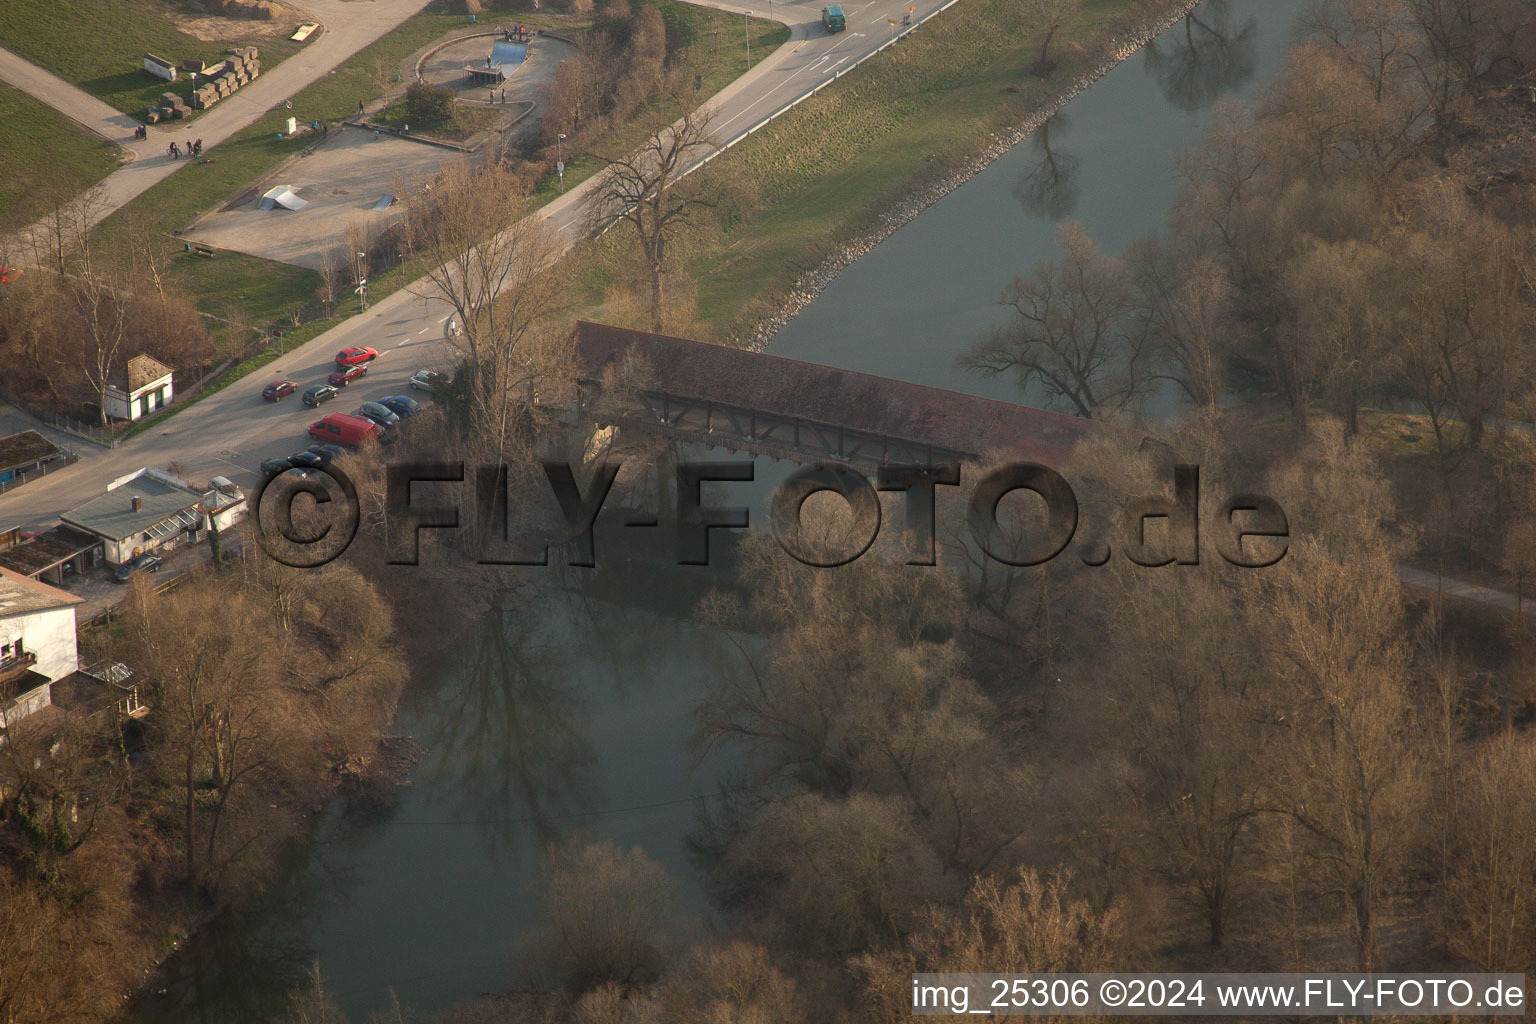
335,433
316,456
351,365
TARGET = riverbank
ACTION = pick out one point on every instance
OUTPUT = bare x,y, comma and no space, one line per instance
807,288
848,166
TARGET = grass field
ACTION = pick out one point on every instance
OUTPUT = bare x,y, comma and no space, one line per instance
38,144
712,45
99,45
247,288
266,291
830,168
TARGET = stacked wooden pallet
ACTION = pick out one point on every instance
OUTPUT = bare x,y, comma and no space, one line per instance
228,76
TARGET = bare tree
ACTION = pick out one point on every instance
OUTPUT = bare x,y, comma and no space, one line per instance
647,189
334,270
1185,307
1348,766
607,911
1024,924
67,223
1048,16
223,722
98,287
490,263
1071,331
1492,890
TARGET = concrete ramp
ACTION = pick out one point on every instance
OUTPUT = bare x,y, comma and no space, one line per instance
508,55
282,196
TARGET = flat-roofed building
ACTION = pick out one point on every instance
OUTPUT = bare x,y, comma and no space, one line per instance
144,511
28,454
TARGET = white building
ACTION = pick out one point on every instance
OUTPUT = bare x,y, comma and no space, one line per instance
37,644
148,510
147,387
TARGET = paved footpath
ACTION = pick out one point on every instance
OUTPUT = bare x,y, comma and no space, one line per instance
350,25
80,106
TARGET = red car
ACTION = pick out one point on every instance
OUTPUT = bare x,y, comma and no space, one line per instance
348,431
278,389
346,375
355,356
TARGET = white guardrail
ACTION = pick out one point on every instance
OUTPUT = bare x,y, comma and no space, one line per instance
898,37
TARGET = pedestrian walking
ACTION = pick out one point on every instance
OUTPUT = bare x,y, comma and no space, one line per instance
197,147
325,132
359,106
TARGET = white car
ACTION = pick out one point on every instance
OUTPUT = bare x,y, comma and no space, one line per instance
427,380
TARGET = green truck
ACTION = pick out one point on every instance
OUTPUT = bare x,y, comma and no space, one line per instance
832,18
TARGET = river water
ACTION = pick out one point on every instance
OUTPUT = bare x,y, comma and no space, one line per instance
575,713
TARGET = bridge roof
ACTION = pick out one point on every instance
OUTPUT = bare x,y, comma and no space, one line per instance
859,401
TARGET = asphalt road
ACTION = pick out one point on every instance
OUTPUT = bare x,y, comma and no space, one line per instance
232,431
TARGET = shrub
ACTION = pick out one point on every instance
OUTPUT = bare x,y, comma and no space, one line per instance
429,104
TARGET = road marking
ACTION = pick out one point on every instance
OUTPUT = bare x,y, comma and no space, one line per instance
846,37
424,330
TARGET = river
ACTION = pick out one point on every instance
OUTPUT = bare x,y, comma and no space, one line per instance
575,713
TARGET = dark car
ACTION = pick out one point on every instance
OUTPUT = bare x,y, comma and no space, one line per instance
428,381
278,389
378,413
317,394
341,378
131,568
306,460
327,453
272,467
401,405
354,356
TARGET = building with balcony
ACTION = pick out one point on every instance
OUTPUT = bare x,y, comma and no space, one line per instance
37,644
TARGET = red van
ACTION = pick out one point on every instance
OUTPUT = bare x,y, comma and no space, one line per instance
339,428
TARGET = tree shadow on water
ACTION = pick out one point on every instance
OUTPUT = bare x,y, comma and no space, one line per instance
1049,188
510,733
1210,58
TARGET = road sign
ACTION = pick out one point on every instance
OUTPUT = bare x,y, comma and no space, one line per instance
560,167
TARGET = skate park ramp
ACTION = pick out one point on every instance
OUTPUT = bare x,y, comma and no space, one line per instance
282,196
508,55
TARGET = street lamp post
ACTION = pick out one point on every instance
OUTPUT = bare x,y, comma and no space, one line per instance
746,30
560,160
